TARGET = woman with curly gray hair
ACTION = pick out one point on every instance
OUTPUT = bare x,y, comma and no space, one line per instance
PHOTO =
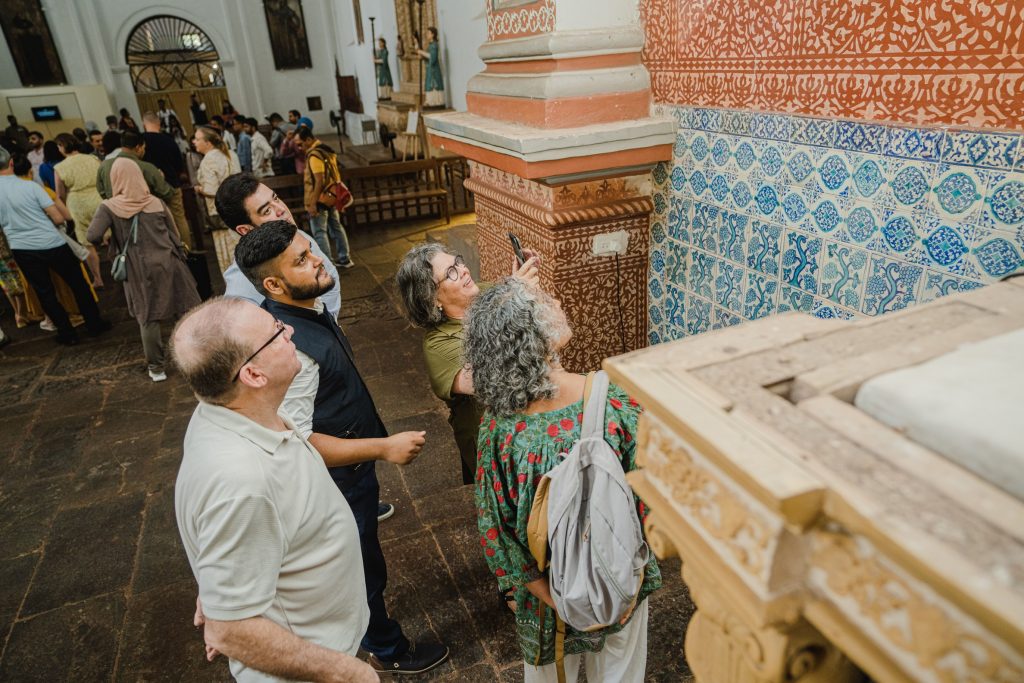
534,411
437,288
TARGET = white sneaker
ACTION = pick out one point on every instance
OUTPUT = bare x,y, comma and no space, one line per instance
47,325
158,376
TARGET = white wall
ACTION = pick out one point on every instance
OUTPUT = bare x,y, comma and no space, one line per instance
90,102
91,37
8,71
463,28
358,59
577,15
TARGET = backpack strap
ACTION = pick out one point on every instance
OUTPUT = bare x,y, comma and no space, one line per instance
131,239
537,525
559,648
330,176
595,395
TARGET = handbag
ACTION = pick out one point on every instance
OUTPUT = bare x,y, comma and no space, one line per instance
336,194
197,266
119,266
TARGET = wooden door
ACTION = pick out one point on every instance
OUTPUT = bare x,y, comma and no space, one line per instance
181,100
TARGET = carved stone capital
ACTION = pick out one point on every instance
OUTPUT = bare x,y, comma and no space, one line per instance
722,648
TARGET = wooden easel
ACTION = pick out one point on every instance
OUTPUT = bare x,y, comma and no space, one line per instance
415,135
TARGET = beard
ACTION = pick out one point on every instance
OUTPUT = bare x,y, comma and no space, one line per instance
311,290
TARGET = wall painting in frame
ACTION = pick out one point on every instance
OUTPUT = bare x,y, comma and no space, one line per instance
288,39
31,43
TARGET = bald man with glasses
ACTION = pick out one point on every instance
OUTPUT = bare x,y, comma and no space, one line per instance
271,541
331,404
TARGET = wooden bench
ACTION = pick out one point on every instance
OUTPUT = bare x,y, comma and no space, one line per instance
393,192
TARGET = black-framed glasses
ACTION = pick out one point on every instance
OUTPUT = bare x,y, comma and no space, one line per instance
280,327
452,272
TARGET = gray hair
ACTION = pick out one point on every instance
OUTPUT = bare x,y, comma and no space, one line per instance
206,350
510,335
415,280
5,158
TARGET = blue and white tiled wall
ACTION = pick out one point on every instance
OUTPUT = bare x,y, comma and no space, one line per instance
764,213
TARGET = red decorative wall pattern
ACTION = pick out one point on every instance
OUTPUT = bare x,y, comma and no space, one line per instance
914,61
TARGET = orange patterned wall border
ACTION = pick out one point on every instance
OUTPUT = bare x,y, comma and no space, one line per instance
519,20
955,62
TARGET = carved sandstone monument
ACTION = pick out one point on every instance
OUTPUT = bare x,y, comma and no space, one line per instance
817,540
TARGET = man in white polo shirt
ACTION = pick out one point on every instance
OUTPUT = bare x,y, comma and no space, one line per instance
270,539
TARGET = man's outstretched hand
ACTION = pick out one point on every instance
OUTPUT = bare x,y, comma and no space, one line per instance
403,448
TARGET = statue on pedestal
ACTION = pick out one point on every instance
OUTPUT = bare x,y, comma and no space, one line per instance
433,83
384,81
400,51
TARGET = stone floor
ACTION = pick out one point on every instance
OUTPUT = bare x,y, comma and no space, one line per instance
94,584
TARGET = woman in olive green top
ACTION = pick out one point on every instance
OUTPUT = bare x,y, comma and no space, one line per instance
437,288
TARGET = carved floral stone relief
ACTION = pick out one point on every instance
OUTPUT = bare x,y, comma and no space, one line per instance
926,62
712,507
927,632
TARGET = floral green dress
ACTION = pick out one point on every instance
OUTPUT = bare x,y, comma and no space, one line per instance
514,452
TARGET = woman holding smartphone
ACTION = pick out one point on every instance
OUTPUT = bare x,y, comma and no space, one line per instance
437,289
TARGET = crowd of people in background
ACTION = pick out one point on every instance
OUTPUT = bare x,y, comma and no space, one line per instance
73,170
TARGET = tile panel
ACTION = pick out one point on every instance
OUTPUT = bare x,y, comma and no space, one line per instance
761,214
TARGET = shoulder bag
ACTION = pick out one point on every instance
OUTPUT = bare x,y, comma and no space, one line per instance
119,266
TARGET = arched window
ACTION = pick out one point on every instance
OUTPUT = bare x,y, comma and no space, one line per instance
170,53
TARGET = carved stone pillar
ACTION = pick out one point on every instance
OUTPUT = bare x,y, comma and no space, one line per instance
562,142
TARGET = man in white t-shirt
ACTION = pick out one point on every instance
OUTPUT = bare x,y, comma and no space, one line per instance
270,539
35,153
164,113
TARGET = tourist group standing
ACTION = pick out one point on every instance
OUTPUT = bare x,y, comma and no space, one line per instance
277,499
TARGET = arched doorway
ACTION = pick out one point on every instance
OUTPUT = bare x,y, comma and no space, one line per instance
171,58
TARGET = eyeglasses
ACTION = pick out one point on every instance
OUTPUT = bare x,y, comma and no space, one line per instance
452,272
280,327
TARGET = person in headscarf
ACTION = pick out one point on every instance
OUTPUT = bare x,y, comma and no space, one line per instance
159,285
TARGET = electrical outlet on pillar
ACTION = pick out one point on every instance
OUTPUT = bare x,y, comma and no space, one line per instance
610,243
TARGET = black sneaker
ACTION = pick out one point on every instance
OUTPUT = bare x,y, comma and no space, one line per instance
419,658
384,510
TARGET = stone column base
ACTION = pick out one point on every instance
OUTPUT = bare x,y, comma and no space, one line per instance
560,223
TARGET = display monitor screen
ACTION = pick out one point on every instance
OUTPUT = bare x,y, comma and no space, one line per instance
51,113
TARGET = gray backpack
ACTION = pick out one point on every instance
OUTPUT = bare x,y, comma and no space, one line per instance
597,549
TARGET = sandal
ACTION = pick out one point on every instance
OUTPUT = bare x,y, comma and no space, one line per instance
508,597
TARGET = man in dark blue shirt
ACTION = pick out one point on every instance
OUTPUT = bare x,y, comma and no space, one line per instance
163,152
329,402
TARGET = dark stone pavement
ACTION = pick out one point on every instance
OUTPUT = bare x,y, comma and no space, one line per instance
94,584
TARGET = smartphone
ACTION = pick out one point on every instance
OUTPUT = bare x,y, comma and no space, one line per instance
517,248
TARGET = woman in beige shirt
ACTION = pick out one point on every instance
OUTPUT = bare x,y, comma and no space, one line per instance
75,183
218,163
